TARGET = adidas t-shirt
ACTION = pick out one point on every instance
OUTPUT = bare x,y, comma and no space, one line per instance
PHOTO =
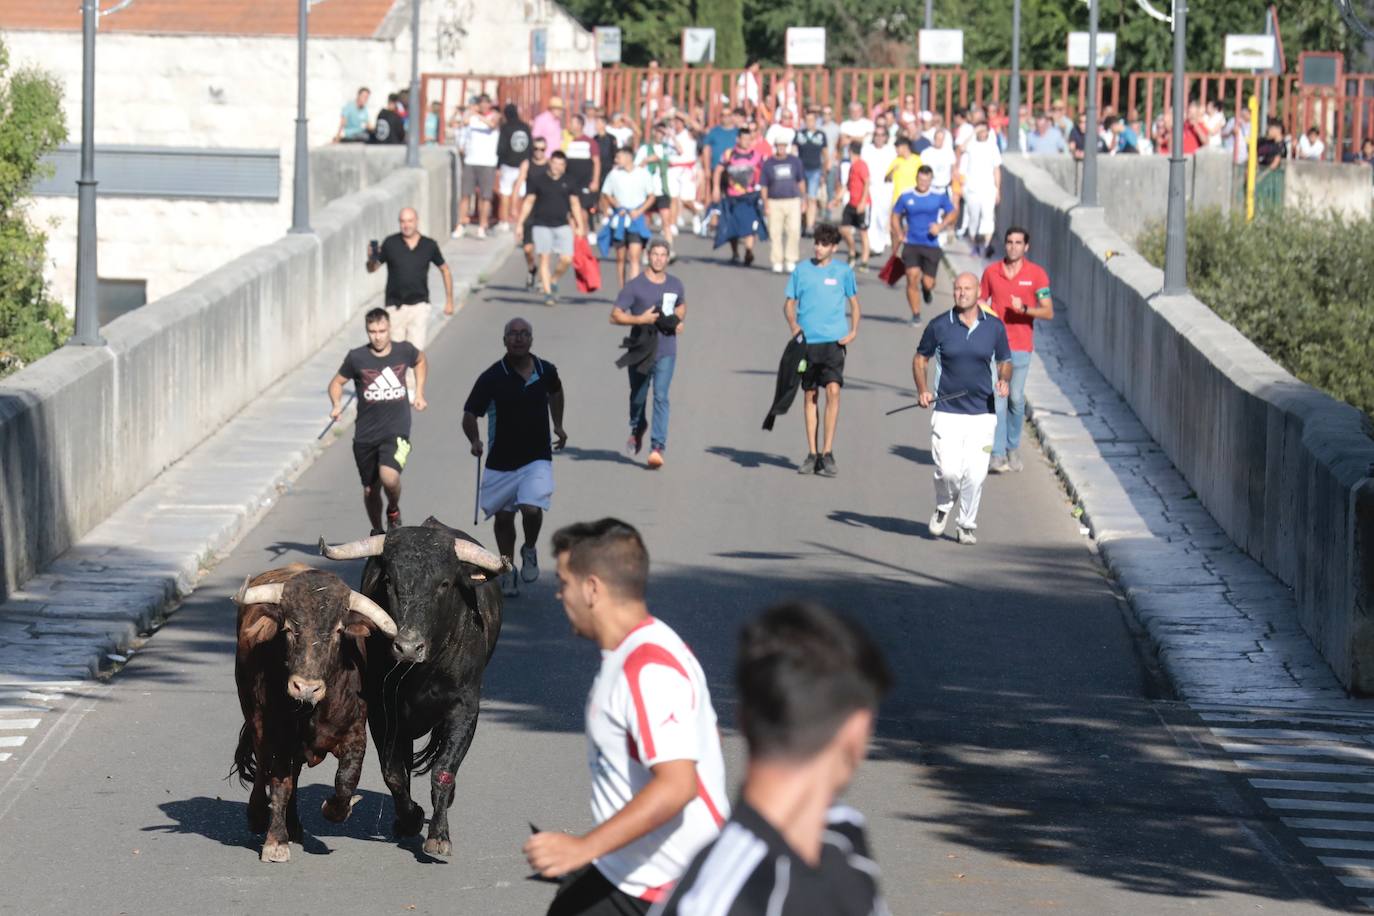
383,405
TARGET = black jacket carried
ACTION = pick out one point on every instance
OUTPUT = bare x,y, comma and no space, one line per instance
790,369
641,347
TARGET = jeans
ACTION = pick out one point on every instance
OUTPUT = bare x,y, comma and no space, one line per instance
1011,411
661,375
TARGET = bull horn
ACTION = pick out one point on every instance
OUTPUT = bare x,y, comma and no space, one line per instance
469,552
259,594
353,550
359,603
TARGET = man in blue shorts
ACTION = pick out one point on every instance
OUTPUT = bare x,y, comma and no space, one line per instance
814,150
920,216
817,293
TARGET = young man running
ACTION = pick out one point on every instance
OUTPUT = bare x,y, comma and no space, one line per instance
536,164
1019,291
627,195
920,216
518,395
381,435
967,340
658,775
809,684
655,297
552,207
817,293
854,218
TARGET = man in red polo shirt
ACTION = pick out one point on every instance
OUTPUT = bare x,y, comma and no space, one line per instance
1019,292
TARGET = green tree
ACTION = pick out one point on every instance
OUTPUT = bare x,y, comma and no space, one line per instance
727,18
32,323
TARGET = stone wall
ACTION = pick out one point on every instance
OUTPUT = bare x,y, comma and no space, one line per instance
1283,468
85,428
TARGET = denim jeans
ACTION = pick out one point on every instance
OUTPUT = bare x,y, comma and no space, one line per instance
1011,411
661,375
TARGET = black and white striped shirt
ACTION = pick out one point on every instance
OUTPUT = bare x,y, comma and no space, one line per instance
751,871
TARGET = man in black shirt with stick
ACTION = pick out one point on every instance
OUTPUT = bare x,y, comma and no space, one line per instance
407,255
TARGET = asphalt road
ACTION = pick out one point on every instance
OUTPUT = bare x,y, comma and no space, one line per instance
1027,760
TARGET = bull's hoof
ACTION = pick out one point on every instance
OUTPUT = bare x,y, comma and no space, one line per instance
337,810
437,847
276,852
409,823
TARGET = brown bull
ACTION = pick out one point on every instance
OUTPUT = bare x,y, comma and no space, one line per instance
299,665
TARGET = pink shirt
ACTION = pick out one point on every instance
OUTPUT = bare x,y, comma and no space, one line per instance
548,128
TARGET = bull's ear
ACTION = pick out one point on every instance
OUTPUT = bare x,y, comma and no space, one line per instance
262,630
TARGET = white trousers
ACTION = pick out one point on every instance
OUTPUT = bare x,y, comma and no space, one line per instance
879,212
961,445
980,214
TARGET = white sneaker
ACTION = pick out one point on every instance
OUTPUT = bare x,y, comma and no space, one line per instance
777,268
458,232
789,266
481,232
938,521
696,224
966,537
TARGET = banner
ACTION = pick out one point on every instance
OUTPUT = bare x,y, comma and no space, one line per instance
805,47
698,46
608,44
1251,52
1106,50
940,47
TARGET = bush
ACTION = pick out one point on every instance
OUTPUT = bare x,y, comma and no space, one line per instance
1300,287
32,323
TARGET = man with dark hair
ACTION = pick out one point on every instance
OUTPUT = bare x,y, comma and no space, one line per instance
654,303
854,218
658,775
391,125
512,152
919,217
554,209
381,434
354,124
814,305
810,682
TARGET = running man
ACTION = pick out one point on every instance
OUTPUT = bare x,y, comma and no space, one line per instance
381,434
741,216
809,684
627,194
407,255
552,207
814,307
1019,292
481,138
655,298
980,169
512,152
920,217
517,394
814,151
967,339
854,217
536,164
658,775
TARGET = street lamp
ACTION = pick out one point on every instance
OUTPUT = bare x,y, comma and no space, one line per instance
925,77
300,192
1089,192
1014,98
417,117
1176,222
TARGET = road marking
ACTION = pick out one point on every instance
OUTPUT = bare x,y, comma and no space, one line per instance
1303,766
4,757
1294,734
13,740
1303,785
1328,823
1294,750
1322,842
1311,804
18,723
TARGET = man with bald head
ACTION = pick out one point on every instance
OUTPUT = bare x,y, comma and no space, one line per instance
966,340
518,395
407,255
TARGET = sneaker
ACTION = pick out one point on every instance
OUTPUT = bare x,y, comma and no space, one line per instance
655,459
734,258
550,300
990,252
926,294
393,518
807,464
966,537
915,321
481,232
529,563
531,278
998,465
458,232
863,267
777,268
510,584
826,466
789,266
1014,459
749,259
696,225
938,522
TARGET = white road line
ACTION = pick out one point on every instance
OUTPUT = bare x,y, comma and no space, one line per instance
1328,823
10,724
1309,804
1303,785
1269,734
4,757
1302,766
13,740
1287,720
1348,864
1361,883
1322,842
1286,750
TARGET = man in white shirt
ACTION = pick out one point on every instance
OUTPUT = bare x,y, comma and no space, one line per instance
658,775
857,127
941,159
1310,145
981,168
784,132
626,196
480,138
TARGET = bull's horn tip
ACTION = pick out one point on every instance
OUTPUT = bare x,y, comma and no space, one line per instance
323,545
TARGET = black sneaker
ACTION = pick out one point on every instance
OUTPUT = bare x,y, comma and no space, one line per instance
808,464
530,279
749,258
989,252
734,257
926,294
826,466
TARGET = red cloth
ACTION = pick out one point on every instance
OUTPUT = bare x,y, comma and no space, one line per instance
1030,284
586,267
892,271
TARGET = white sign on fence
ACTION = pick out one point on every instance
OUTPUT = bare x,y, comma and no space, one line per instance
608,44
1106,49
805,47
698,46
1250,52
940,47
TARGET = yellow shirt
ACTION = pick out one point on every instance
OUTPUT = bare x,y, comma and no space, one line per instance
902,174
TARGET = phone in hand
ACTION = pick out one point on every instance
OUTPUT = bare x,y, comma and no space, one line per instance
374,250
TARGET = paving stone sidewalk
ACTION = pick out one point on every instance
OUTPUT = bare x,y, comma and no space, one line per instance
84,613
1226,631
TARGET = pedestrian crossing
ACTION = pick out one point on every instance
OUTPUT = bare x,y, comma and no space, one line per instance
1315,770
22,712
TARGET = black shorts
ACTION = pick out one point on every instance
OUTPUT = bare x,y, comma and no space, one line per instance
369,456
924,257
853,217
628,239
586,892
588,199
663,202
527,235
824,365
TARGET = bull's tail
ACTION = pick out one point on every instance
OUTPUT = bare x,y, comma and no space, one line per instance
423,761
245,764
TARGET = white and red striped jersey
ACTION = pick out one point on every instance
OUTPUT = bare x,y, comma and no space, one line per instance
649,705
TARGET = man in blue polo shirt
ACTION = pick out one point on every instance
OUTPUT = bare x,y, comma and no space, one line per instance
967,339
814,306
920,216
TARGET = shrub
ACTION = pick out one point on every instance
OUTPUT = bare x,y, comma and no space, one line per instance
1300,287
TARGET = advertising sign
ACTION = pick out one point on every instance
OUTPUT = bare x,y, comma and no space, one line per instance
941,47
698,46
805,47
608,44
1106,50
1250,52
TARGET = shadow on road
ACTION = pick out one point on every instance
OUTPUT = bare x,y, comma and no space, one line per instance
906,527
911,453
747,458
598,454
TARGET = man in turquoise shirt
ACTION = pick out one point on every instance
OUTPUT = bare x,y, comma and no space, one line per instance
817,293
353,123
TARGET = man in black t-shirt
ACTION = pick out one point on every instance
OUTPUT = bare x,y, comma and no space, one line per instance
584,162
407,255
814,150
391,127
552,208
381,435
518,395
512,149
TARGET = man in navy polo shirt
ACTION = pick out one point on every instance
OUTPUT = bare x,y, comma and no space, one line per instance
967,340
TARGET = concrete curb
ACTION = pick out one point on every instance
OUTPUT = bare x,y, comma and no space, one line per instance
83,615
1225,630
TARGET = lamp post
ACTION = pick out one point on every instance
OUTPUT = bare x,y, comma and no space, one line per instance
925,78
87,290
1014,96
1089,192
300,192
417,117
1176,221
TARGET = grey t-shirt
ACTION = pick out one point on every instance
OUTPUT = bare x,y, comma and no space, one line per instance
642,294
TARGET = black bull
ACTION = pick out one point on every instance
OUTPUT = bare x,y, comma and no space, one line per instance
428,680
